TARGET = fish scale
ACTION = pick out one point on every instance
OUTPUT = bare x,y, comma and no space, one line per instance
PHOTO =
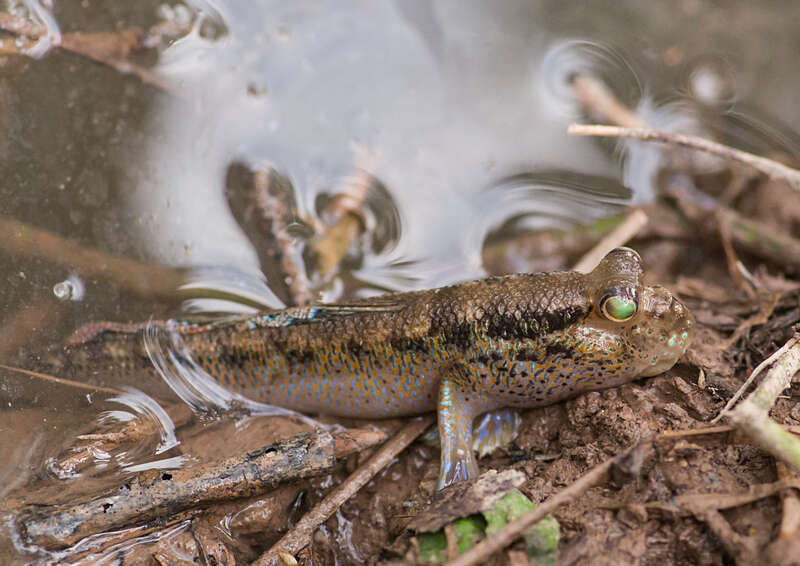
517,341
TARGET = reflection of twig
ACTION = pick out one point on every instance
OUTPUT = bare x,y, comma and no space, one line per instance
273,212
769,167
751,416
142,499
109,48
21,240
300,536
345,213
634,221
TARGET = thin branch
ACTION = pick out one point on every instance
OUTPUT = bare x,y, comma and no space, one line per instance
635,220
62,381
300,536
769,167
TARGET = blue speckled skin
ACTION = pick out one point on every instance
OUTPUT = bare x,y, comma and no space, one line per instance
517,341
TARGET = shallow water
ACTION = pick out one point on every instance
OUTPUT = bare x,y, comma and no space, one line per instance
458,109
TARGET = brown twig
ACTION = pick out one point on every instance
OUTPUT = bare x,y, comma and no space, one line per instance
24,241
740,547
768,303
731,260
635,220
769,167
300,536
144,499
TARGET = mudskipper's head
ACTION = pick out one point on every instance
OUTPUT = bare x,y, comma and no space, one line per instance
655,326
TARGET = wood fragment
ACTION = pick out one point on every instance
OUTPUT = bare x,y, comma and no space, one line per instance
751,416
300,536
143,499
769,167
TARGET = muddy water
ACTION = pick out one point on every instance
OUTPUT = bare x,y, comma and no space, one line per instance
446,105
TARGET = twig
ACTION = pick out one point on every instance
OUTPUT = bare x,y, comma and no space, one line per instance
769,167
790,520
506,535
20,240
761,239
144,500
766,308
601,104
742,548
732,261
624,231
300,536
751,416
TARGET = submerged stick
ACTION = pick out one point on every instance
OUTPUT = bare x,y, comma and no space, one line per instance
769,167
24,241
304,455
300,536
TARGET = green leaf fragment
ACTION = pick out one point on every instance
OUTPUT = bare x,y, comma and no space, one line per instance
432,547
541,540
469,531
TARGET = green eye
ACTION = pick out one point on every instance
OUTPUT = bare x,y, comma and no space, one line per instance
618,309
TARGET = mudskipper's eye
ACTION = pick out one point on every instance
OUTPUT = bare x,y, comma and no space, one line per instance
617,308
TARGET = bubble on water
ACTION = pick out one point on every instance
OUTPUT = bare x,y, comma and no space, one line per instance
71,289
711,81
